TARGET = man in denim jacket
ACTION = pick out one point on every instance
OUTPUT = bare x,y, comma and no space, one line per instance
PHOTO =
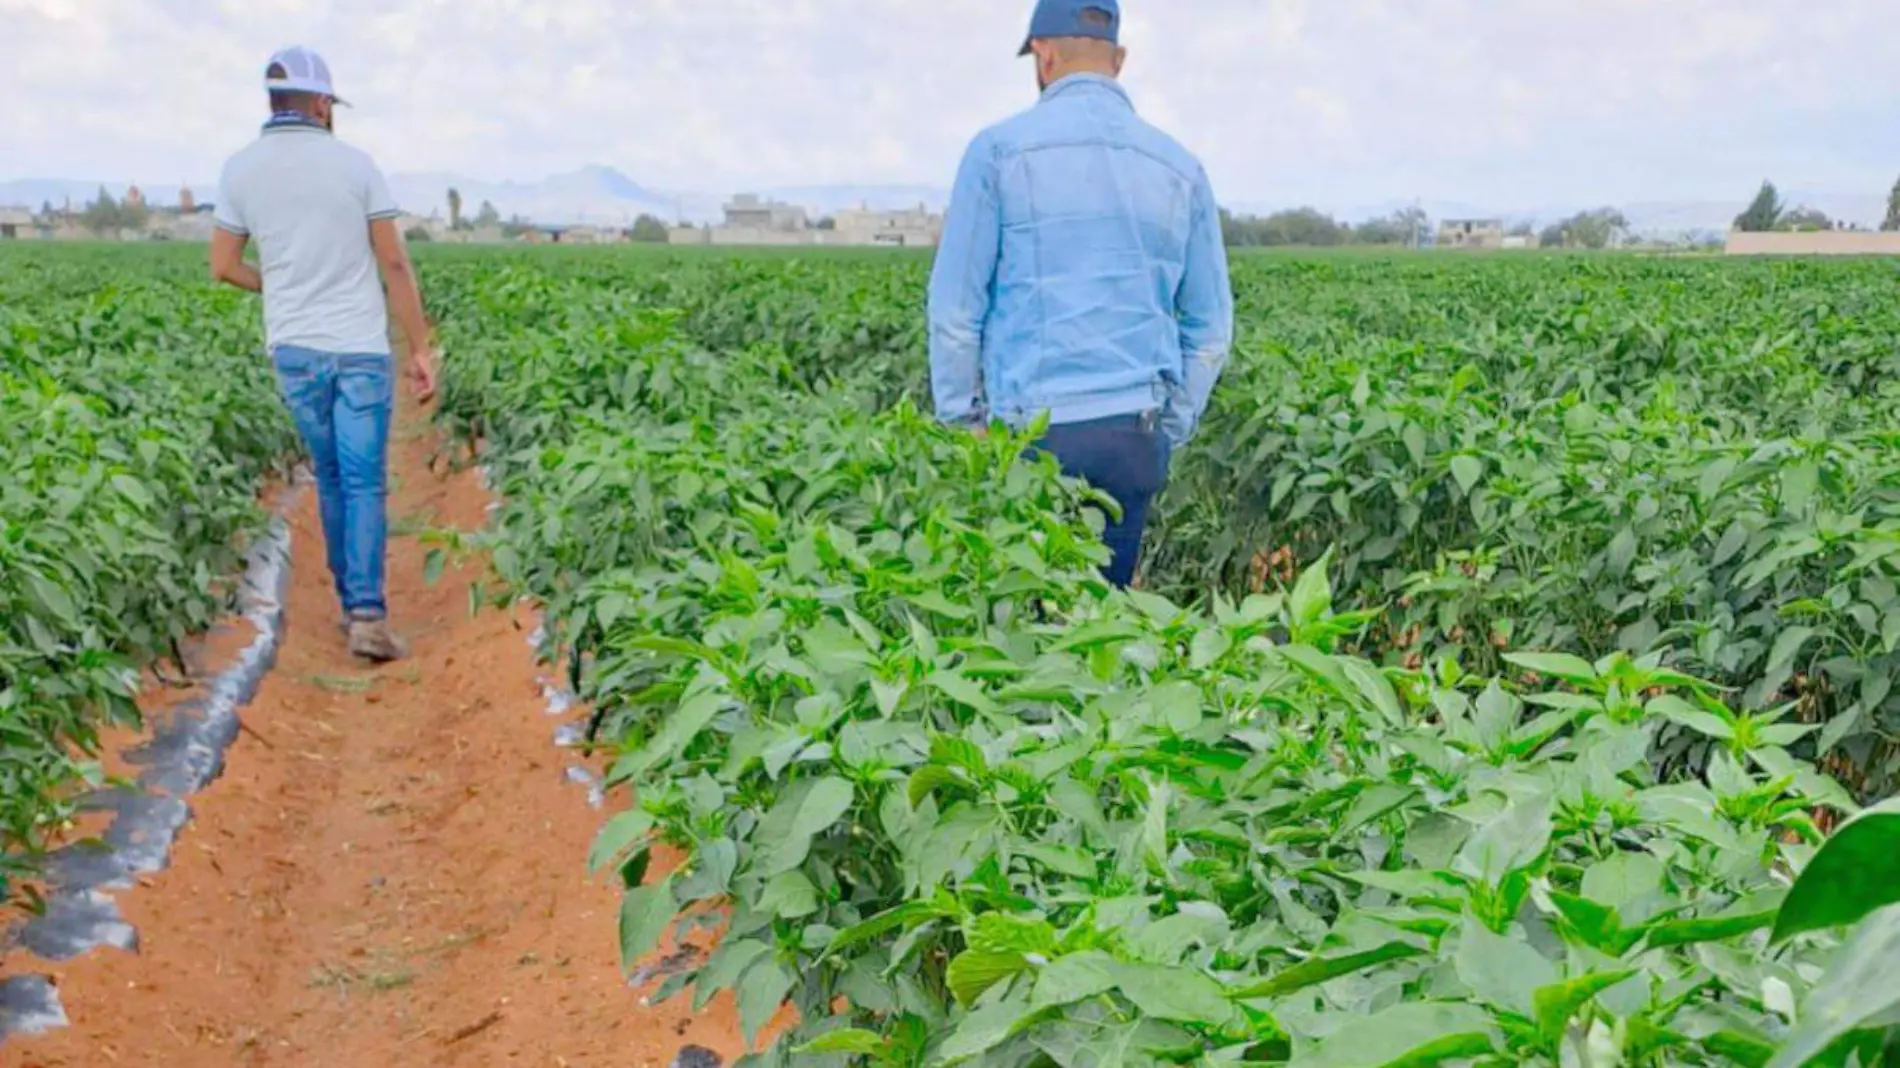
1082,274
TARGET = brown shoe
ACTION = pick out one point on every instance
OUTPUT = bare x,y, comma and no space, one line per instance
372,640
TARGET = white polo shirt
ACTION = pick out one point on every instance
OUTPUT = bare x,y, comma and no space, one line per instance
306,200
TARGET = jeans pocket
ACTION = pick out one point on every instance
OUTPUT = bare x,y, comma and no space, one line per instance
298,380
367,385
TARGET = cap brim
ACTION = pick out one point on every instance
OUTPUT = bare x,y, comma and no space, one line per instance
1027,41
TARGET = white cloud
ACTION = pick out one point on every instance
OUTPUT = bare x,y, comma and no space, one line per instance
1510,102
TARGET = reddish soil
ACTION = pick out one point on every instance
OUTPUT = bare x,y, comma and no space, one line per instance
391,871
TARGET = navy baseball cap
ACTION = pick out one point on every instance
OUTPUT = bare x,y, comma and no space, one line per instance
1100,19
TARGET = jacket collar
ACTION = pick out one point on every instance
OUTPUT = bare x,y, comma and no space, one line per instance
1087,83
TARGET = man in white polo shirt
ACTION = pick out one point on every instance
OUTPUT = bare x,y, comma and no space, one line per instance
323,221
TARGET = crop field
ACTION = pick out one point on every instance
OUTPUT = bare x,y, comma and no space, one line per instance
126,490
1513,656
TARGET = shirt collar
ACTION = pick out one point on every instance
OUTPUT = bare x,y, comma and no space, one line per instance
292,120
1075,83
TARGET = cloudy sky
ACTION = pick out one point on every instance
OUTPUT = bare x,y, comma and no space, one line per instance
1511,103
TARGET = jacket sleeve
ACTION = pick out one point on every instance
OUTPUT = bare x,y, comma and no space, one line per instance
1205,307
962,284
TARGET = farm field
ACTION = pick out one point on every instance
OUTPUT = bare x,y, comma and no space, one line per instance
1506,638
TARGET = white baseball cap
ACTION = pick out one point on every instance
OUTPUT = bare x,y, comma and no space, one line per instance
304,72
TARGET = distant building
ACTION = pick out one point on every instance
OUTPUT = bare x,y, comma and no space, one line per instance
413,225
186,202
747,212
134,198
750,220
1471,233
911,227
185,227
17,224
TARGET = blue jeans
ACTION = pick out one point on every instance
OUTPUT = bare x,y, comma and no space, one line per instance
342,403
1125,457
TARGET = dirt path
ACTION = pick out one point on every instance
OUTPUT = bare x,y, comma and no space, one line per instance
390,873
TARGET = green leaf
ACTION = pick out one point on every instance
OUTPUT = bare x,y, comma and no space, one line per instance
1797,486
1376,689
1512,841
1715,478
1624,878
1787,647
1415,444
1571,669
784,837
789,896
1622,552
1312,594
434,563
846,1040
1713,929
1375,803
645,914
1682,713
676,734
1411,1035
1503,971
1073,978
761,993
617,838
983,1030
133,490
1857,988
997,932
1317,970
930,778
725,967
935,602
903,916
974,972
1208,647
1856,872
54,599
1468,471
1174,993
1558,1002
1597,925
961,690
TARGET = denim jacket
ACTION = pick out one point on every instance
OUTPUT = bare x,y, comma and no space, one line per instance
1081,272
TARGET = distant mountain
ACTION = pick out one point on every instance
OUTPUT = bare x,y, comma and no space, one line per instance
595,194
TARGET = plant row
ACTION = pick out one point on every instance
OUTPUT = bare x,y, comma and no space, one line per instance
1690,458
137,422
938,788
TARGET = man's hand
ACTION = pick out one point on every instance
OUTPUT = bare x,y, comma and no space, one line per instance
422,373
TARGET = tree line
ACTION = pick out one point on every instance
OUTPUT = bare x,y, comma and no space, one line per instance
1769,212
1310,227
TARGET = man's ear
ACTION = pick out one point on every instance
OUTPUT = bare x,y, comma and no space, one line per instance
1121,57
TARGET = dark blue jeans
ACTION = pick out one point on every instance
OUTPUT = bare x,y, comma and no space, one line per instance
342,403
1125,457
